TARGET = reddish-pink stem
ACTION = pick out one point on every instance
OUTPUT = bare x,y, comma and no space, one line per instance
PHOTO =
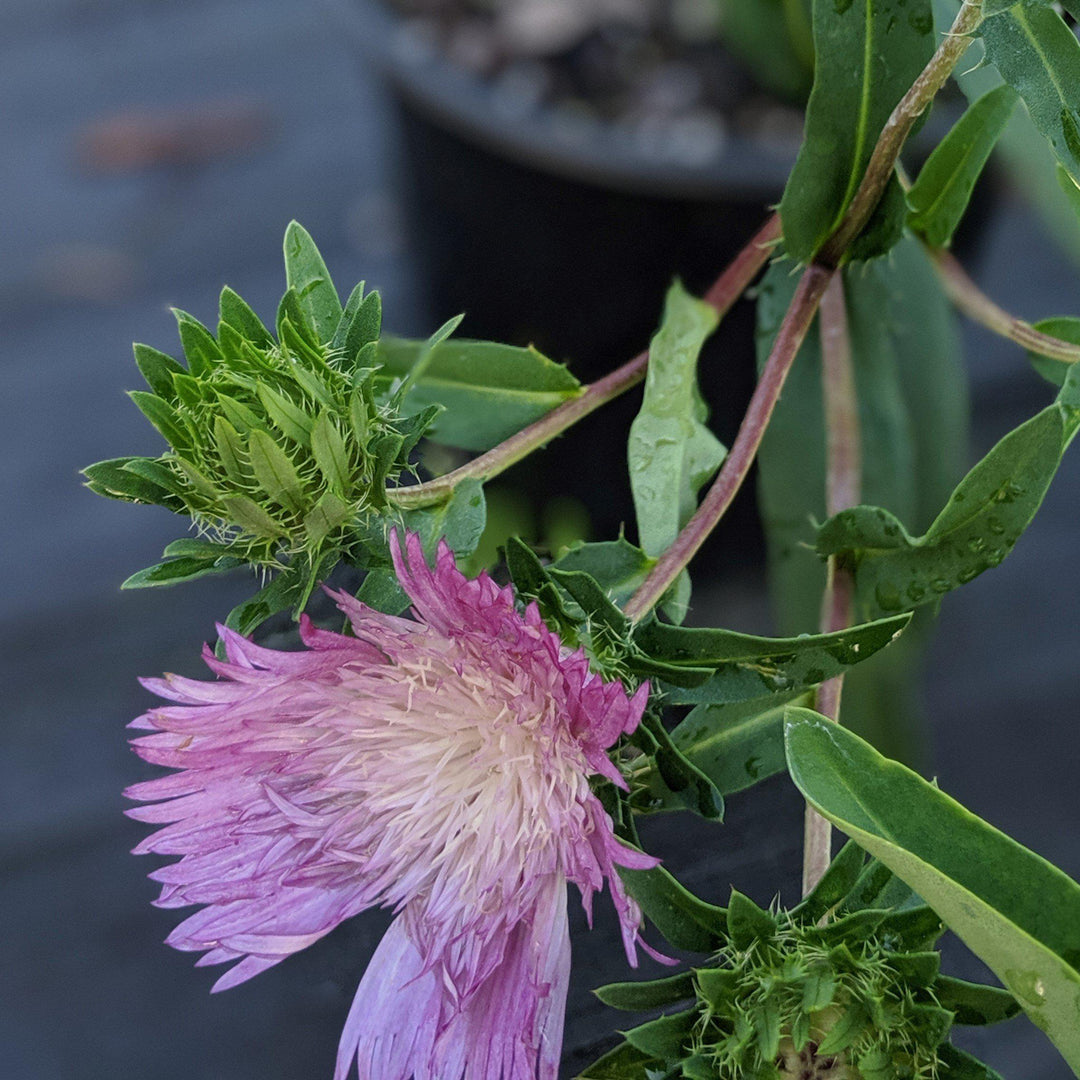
843,482
729,286
796,323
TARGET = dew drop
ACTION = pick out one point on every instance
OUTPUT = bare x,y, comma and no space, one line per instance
1027,985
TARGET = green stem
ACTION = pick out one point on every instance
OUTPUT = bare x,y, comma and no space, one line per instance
911,106
974,303
843,482
731,284
737,464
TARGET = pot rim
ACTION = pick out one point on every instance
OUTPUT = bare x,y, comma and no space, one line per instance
548,139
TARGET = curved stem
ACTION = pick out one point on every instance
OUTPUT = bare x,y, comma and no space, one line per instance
974,303
887,149
731,284
737,464
843,481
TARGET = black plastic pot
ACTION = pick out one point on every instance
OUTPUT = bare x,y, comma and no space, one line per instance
566,235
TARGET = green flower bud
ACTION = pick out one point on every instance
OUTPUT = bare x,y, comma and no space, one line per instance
280,446
819,1003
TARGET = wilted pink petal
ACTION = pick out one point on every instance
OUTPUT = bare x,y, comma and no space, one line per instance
439,767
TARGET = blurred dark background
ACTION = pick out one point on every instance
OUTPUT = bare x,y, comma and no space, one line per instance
154,150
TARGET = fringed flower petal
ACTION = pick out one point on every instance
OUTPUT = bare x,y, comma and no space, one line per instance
438,766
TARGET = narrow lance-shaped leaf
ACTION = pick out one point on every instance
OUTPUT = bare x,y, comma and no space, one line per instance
978,527
671,452
113,479
651,994
158,369
275,472
745,666
489,390
1018,913
1039,56
235,311
182,568
939,197
868,53
306,272
200,349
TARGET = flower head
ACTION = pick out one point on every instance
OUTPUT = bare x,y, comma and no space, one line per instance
438,766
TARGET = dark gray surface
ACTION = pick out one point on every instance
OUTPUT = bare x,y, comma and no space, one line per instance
87,989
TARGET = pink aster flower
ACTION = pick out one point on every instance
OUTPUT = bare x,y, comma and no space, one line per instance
437,766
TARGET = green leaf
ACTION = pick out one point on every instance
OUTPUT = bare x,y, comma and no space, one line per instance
717,986
325,517
1039,56
158,368
328,449
955,1064
240,416
939,197
382,591
306,272
489,390
173,571
200,349
851,1023
664,1038
591,598
818,989
190,548
235,312
616,565
685,921
974,1003
773,37
249,515
736,745
459,520
1012,908
745,666
671,452
361,324
294,328
835,884
158,472
114,480
286,415
625,1062
868,53
231,451
164,417
746,922
1066,327
275,472
671,781
918,969
281,593
977,528
641,996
